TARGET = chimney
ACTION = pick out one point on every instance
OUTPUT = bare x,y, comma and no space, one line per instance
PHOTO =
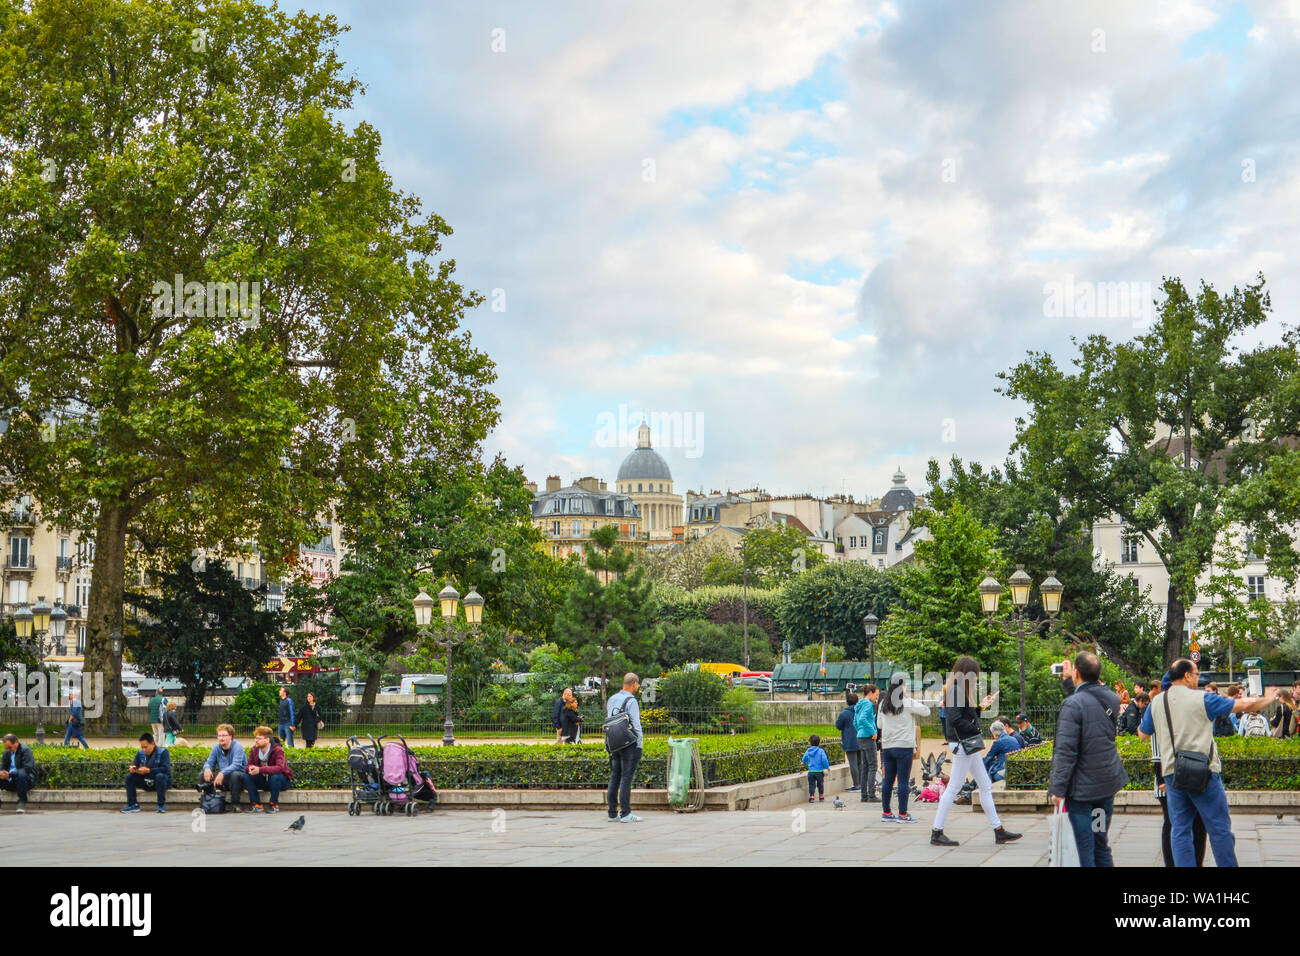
588,483
531,486
552,483
603,486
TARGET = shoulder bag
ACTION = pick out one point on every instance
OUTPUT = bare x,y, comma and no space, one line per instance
1191,769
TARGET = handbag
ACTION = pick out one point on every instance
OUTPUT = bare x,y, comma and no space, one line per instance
1191,769
619,732
972,744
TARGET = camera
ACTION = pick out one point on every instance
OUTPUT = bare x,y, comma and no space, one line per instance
1058,668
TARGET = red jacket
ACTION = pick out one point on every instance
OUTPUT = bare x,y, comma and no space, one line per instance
275,761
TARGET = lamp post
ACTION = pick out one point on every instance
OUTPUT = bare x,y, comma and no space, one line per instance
116,689
23,628
448,599
744,580
1050,591
870,627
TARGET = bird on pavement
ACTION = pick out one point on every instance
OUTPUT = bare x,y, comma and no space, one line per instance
837,803
297,825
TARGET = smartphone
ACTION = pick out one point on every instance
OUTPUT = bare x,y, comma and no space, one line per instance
1255,682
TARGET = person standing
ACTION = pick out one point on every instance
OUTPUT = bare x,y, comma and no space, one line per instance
17,769
557,712
961,729
896,721
815,759
864,723
171,725
849,739
623,763
1182,721
285,718
570,722
151,769
309,721
157,705
76,721
1086,768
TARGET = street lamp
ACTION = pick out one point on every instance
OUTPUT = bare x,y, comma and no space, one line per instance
34,624
1020,582
23,627
744,580
448,600
870,627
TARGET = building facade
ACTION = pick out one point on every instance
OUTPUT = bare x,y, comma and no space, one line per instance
646,478
568,515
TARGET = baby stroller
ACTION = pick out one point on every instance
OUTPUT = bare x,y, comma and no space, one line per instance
403,787
364,775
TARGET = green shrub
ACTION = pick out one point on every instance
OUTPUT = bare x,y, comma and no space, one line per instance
691,696
739,710
257,704
1249,763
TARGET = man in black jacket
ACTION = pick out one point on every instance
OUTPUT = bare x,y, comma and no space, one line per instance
1086,769
17,769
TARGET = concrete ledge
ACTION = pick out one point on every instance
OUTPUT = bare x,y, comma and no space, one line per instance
1143,801
772,793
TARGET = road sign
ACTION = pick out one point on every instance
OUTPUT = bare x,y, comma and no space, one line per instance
1196,657
288,666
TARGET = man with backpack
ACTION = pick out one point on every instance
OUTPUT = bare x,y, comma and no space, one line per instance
624,740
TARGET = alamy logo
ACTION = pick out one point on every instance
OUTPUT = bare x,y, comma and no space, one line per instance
44,689
208,299
73,909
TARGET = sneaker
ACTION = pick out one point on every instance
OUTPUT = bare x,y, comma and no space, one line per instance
233,808
853,789
131,808
906,818
258,808
630,818
22,807
888,817
272,808
162,808
812,799
821,799
612,819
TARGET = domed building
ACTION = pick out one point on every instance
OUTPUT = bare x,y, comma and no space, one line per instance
645,477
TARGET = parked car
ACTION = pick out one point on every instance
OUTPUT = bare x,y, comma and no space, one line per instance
391,689
761,684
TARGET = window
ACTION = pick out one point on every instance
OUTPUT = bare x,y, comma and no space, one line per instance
853,541
577,529
86,553
81,641
20,552
638,486
1248,547
1255,587
82,593
878,543
555,528
1128,549
17,591
661,486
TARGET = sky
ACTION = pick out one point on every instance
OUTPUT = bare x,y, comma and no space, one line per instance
804,237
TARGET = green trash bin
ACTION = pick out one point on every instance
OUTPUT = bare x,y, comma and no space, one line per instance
681,760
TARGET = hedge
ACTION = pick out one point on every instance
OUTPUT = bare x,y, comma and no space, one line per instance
727,760
1249,763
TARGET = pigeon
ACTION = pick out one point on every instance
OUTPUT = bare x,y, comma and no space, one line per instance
837,803
297,825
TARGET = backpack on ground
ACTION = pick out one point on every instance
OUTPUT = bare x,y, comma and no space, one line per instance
214,802
1253,725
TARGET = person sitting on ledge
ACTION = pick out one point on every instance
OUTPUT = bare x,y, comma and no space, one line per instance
151,769
226,761
267,767
17,769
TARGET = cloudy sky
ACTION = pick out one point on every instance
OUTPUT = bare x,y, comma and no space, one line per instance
808,235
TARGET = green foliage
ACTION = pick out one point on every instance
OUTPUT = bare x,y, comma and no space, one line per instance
727,760
939,616
1175,431
689,695
699,640
13,651
776,553
812,653
1249,763
199,626
739,708
256,704
831,601
723,605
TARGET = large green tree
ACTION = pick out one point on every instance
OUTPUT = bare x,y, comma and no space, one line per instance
1177,432
1048,534
144,144
830,602
198,626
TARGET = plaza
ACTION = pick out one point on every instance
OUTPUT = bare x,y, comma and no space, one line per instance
818,835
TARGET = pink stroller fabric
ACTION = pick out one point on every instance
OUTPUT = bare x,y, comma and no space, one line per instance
399,763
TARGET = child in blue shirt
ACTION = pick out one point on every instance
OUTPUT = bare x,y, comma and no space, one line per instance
815,759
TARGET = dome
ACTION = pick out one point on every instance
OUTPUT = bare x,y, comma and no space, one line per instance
899,497
644,463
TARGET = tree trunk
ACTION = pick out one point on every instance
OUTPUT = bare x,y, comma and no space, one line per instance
368,696
193,702
1175,619
104,616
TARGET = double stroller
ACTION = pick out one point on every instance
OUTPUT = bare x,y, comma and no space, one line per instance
387,778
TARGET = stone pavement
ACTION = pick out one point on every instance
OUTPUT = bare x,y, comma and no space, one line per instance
808,835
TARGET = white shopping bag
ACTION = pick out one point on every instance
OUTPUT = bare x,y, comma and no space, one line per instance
1061,848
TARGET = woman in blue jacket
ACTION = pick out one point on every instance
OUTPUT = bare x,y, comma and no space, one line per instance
849,739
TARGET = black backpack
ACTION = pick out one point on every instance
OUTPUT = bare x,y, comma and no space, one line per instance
619,732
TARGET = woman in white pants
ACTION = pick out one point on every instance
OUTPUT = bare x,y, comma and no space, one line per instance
962,722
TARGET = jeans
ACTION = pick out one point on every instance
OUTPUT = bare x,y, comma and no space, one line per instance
1093,844
622,768
898,767
285,733
963,765
816,783
74,731
854,758
1198,837
867,756
1212,805
237,783
160,782
275,782
20,782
